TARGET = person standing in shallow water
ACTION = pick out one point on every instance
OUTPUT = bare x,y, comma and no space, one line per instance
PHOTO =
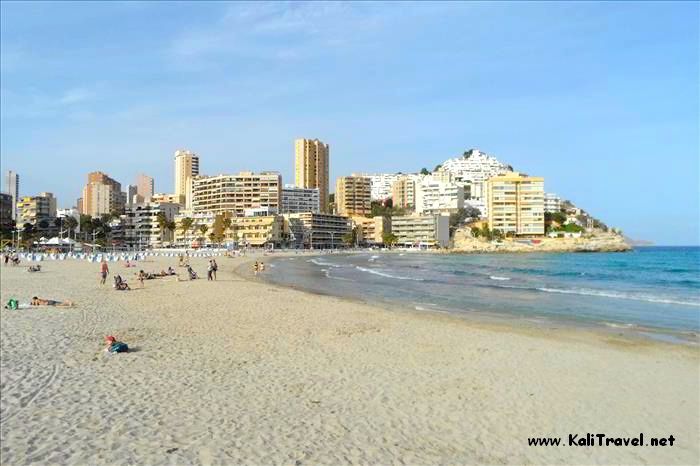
104,271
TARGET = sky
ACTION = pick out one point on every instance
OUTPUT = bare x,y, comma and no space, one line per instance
601,99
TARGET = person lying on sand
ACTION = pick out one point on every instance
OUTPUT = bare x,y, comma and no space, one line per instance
50,302
34,268
114,346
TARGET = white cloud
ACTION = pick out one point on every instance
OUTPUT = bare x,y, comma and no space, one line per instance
281,30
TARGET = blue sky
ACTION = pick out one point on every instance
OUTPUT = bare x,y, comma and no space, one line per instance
599,98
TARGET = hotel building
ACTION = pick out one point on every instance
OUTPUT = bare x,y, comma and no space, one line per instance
311,167
353,196
102,195
235,193
186,168
421,231
33,209
317,231
295,200
516,204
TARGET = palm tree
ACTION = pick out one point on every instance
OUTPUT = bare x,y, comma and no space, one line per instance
186,224
203,230
170,226
70,223
162,222
227,224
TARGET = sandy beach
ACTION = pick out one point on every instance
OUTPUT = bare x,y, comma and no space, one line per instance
239,371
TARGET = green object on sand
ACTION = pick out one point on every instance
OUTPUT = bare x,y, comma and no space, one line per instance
12,304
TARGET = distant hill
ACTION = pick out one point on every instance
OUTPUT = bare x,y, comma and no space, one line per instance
638,242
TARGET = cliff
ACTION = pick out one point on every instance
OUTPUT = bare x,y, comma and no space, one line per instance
599,242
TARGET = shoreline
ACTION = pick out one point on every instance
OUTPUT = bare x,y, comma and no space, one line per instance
242,371
485,320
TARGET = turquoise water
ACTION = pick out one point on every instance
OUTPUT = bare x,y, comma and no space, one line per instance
650,289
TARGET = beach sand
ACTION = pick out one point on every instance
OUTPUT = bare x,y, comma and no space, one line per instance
241,371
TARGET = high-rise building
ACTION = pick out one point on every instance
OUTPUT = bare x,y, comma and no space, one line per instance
295,200
235,193
12,188
437,197
79,205
132,196
144,186
353,196
311,167
186,168
102,195
516,204
403,192
33,209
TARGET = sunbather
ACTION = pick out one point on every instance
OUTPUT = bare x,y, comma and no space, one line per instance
50,302
34,268
114,346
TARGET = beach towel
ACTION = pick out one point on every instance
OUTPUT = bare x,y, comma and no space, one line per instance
119,347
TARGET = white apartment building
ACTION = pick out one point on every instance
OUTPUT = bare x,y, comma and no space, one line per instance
141,227
296,200
235,193
381,184
421,231
552,203
473,170
436,197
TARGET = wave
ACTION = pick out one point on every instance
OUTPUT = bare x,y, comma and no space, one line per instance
373,258
619,295
495,277
327,273
383,274
323,264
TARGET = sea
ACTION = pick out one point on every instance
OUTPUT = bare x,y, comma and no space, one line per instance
650,291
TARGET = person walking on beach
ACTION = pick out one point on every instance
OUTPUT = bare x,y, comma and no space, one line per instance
104,271
141,276
210,271
214,268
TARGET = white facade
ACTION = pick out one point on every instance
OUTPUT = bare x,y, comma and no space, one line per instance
141,227
381,184
260,211
552,203
436,197
472,170
297,200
